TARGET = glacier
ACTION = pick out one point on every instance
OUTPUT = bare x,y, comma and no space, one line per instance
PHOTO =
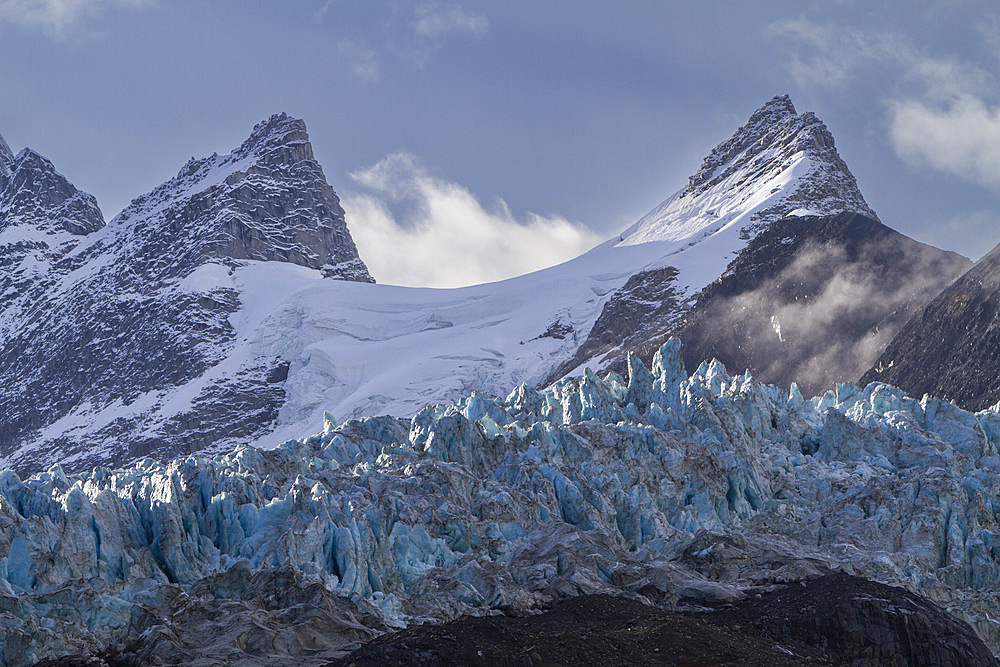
217,323
668,488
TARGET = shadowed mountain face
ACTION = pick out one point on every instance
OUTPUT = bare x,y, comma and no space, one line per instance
813,301
951,348
807,300
108,331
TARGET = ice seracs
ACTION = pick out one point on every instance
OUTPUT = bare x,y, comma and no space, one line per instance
668,487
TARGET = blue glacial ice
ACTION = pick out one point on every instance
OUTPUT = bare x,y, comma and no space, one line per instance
669,488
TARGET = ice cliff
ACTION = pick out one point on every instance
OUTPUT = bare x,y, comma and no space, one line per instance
667,488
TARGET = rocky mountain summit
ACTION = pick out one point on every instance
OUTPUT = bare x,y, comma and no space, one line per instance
43,220
33,193
110,330
814,285
268,200
6,156
678,491
949,348
199,318
778,164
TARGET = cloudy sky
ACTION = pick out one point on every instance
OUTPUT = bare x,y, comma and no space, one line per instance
452,129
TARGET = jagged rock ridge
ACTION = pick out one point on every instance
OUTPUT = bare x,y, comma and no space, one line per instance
117,347
672,490
779,163
267,200
43,219
6,156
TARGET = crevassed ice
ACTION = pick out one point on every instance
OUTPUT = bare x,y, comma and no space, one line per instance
665,486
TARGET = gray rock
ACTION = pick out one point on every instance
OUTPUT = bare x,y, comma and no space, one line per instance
107,321
949,348
6,156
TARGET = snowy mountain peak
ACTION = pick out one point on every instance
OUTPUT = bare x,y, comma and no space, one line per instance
776,114
277,131
777,164
266,200
33,192
130,331
6,156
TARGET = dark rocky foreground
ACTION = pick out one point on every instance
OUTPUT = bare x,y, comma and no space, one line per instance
836,619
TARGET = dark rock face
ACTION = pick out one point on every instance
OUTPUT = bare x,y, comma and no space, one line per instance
808,300
855,621
98,337
6,156
33,192
949,348
587,630
648,307
815,300
836,619
267,200
43,219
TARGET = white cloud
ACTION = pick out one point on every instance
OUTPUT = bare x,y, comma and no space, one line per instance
961,137
831,56
449,239
940,113
834,56
432,21
361,59
56,17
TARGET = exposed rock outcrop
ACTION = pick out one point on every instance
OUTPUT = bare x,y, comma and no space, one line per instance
950,347
116,338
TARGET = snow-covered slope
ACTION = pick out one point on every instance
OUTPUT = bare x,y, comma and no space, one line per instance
44,219
670,489
200,317
109,331
778,164
360,349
